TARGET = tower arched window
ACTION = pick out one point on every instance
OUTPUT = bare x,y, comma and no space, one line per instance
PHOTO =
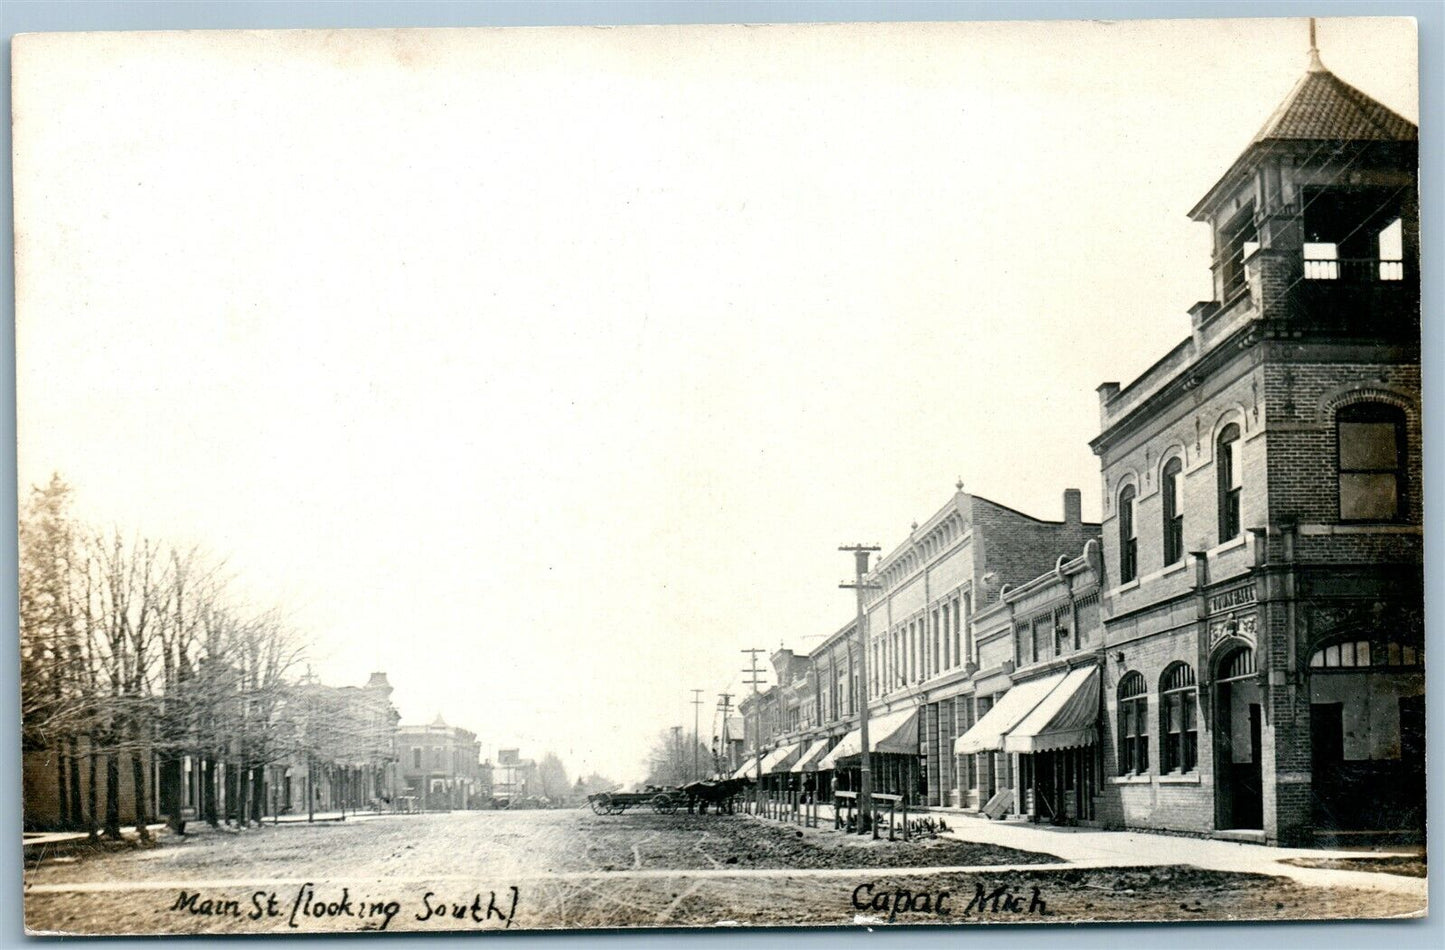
1178,721
1133,724
1172,488
1227,470
1370,440
1128,538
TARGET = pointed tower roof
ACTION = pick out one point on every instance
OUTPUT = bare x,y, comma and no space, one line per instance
439,721
1323,107
1320,108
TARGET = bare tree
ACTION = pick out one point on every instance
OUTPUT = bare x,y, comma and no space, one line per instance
552,776
52,682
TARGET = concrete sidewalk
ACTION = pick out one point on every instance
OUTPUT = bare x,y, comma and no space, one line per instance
1098,848
31,839
194,827
1091,847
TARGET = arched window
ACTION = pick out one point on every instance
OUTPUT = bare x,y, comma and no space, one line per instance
1239,665
1172,488
1353,654
1133,724
1227,470
1128,541
1371,452
1178,722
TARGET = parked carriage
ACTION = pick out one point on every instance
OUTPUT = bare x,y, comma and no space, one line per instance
663,801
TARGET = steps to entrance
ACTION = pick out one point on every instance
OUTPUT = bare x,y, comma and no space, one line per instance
1246,835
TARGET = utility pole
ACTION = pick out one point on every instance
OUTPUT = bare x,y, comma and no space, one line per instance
677,755
724,752
861,553
755,680
696,712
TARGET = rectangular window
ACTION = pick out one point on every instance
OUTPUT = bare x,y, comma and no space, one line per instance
936,660
1128,540
416,757
1180,738
1231,482
1133,736
948,658
1321,261
1392,251
1370,452
963,623
1238,240
1173,492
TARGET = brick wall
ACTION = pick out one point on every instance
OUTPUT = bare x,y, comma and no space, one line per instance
1019,548
1176,802
41,788
1301,398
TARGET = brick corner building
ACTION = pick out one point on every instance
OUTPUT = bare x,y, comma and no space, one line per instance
1263,624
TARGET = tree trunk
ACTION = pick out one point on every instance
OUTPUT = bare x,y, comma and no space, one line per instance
112,795
76,818
91,827
138,781
208,791
243,796
170,791
258,795
62,784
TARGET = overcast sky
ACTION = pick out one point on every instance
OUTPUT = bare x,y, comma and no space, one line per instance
545,370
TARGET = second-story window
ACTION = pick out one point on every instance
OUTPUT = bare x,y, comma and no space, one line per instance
1128,542
1227,470
1172,488
1371,456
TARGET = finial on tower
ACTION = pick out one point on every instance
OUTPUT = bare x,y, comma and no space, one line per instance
1316,66
959,484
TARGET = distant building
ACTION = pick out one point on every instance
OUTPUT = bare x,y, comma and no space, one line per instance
345,754
923,655
514,779
440,765
728,745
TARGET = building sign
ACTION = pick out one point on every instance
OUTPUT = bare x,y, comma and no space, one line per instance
1231,598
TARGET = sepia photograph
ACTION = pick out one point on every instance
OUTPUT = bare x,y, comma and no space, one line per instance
859,475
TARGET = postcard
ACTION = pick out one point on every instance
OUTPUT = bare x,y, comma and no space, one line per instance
736,475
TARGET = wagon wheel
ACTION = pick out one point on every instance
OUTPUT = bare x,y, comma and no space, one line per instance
615,808
664,804
601,804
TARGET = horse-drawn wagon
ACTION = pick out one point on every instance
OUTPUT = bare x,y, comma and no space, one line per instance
663,801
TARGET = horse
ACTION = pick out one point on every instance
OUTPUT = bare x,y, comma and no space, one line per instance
719,794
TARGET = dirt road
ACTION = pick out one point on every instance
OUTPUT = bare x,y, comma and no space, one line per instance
510,870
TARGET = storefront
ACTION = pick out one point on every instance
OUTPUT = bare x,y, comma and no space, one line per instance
895,764
1036,748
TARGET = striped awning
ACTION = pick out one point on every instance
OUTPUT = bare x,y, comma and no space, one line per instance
748,768
808,761
987,734
780,758
1066,718
895,732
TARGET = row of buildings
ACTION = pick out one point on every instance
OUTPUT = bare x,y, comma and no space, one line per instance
1238,647
331,749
